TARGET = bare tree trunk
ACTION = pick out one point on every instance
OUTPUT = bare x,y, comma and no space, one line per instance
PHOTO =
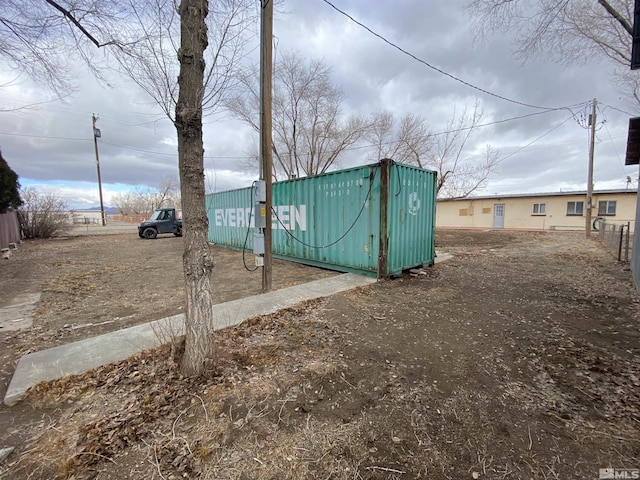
197,259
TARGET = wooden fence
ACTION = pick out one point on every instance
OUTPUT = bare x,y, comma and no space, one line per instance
9,229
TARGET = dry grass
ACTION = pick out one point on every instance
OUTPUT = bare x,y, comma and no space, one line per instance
476,372
310,449
191,426
80,283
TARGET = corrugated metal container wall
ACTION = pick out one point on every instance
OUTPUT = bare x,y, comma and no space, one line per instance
411,218
335,220
336,216
230,217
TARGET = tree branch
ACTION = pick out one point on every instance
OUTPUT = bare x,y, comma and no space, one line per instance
614,13
68,15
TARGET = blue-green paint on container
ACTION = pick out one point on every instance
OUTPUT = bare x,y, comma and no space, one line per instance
375,219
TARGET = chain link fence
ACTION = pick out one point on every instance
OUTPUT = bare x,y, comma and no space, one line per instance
616,237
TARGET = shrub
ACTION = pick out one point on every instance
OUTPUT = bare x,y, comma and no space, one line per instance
42,215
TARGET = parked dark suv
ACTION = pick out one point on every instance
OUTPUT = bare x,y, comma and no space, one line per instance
163,220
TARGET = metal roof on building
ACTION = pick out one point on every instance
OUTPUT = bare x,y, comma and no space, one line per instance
547,194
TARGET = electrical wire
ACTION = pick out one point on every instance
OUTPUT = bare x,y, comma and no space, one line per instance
618,110
534,141
168,154
453,77
462,129
319,247
496,122
620,162
246,238
359,147
45,137
30,105
139,149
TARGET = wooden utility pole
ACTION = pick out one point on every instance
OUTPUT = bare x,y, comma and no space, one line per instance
592,142
266,73
96,134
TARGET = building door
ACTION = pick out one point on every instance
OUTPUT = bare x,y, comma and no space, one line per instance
498,215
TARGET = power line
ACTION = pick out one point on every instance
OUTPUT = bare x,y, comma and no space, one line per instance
62,108
618,110
620,162
44,136
488,124
496,122
534,141
172,154
28,106
244,157
439,70
139,149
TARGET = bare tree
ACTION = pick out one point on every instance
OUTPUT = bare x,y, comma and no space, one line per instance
42,38
405,140
571,31
42,215
309,131
153,40
409,140
459,173
168,193
197,258
73,27
205,76
208,52
134,202
143,200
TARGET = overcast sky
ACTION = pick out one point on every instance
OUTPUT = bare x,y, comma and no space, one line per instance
50,145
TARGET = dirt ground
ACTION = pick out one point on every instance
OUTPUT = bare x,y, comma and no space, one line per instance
518,358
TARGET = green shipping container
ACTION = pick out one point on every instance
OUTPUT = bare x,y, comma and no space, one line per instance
375,219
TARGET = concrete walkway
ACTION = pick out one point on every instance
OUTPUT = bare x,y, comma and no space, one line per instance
19,314
84,355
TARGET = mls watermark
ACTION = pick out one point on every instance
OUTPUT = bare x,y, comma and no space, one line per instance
623,473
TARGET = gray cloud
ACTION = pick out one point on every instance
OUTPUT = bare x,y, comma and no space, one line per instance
54,141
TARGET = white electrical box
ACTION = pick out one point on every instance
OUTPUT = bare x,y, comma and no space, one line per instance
258,243
259,261
261,191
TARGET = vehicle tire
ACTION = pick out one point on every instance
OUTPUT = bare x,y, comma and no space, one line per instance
178,232
150,233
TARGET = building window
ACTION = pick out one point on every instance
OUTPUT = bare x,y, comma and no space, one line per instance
607,207
574,208
539,209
